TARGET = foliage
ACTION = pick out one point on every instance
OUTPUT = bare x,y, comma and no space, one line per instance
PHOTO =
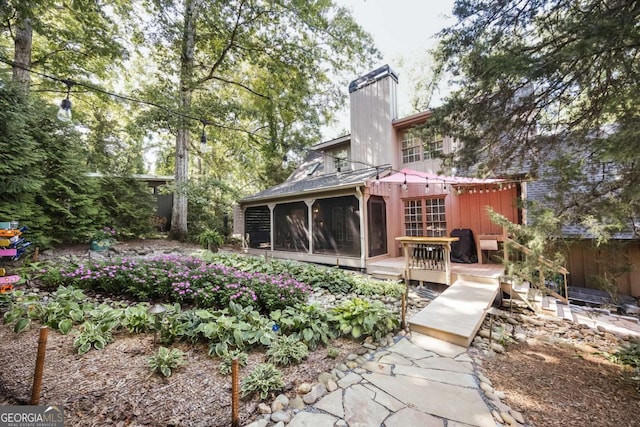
358,317
22,308
210,238
92,335
333,352
187,280
308,323
628,355
549,88
136,318
334,280
225,365
367,286
105,234
263,379
166,361
542,241
236,327
287,349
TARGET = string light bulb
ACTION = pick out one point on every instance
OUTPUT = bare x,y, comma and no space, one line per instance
377,181
64,113
404,184
426,188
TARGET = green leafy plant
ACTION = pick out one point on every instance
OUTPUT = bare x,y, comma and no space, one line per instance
136,318
359,317
287,350
308,323
333,352
227,361
166,361
264,379
92,335
210,239
628,355
22,309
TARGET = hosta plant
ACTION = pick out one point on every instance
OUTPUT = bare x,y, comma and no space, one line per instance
287,350
92,335
358,317
308,323
166,361
264,379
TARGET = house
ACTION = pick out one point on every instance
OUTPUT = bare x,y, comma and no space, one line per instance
354,196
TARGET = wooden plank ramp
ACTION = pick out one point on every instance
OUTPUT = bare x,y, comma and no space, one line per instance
456,315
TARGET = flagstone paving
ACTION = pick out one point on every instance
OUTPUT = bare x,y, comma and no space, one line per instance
418,381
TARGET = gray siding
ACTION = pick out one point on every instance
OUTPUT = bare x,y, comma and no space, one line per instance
373,107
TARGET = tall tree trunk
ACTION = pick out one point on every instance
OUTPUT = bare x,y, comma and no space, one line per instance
22,55
179,229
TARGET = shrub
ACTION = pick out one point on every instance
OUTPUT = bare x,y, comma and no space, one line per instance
359,317
287,350
136,318
166,361
263,379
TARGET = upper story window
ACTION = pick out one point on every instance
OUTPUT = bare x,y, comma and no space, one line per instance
434,148
341,159
411,151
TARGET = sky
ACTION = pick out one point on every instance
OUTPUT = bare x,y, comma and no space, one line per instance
403,31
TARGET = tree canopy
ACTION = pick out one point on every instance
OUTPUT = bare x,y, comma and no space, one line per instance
550,87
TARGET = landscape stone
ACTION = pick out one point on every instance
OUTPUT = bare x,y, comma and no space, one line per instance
436,398
409,350
263,408
442,348
508,419
331,386
486,387
281,416
497,347
332,403
386,400
309,419
361,411
325,377
445,364
380,368
279,424
303,388
483,378
412,417
317,391
395,359
497,416
448,377
349,379
341,423
296,403
258,423
517,416
279,403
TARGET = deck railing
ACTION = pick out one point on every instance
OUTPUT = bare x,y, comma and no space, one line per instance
428,254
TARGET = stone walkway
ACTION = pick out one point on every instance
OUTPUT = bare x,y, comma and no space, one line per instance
417,381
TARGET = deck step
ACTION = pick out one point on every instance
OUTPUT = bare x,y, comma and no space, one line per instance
456,315
549,304
386,275
564,311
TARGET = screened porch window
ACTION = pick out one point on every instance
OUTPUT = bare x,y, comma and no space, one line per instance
291,227
425,217
257,224
336,226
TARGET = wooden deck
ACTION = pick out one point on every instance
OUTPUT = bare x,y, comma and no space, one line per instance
455,315
480,272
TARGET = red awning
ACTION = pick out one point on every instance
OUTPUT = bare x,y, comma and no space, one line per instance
411,176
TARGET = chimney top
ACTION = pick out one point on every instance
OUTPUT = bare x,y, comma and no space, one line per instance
372,77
